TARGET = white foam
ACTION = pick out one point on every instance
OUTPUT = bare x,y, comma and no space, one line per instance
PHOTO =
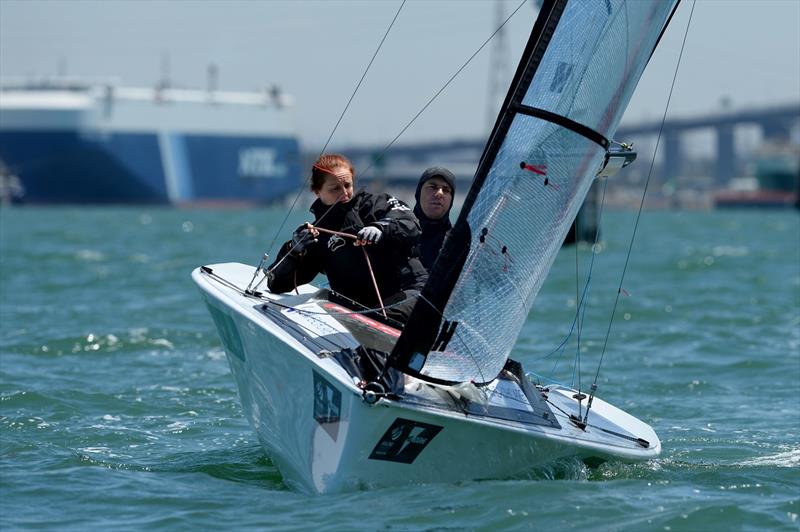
785,459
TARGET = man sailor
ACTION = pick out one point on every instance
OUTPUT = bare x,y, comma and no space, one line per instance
434,197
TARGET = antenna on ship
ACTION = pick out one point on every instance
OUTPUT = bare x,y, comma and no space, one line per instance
61,69
165,71
164,82
498,66
212,78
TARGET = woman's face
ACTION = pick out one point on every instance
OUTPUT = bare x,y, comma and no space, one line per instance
336,188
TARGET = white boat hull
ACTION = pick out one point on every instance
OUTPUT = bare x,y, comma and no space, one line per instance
322,435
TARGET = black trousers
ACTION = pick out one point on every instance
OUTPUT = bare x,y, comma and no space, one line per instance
398,308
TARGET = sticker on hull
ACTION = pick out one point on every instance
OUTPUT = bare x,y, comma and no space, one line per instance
404,440
327,405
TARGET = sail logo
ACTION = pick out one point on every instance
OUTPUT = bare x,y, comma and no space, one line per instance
561,77
260,163
404,441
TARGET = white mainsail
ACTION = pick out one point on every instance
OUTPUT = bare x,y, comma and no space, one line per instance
577,75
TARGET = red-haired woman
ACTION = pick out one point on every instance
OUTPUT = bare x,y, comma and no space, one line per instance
384,225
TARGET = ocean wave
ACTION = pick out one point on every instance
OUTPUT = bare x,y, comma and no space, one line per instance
789,458
97,342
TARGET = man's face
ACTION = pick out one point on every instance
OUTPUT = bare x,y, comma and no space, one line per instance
435,198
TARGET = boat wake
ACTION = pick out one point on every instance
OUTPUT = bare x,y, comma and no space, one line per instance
789,458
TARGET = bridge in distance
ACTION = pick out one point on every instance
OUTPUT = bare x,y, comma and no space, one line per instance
402,164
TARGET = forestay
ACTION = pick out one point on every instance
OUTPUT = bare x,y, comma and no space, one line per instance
576,77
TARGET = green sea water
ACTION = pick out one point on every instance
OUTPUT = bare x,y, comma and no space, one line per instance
118,411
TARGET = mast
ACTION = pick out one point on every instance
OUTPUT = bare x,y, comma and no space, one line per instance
424,326
576,75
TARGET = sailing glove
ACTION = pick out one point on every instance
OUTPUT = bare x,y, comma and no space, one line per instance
302,239
370,234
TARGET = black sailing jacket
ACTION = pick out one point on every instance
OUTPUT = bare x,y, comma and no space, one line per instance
433,233
393,258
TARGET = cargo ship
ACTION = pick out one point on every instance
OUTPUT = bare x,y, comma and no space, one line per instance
776,183
94,141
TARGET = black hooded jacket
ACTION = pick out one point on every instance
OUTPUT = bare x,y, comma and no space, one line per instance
393,257
433,231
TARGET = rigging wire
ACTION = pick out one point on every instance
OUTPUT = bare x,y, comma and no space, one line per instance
639,214
311,338
427,104
364,75
385,149
313,333
365,311
579,396
436,95
583,302
339,121
253,295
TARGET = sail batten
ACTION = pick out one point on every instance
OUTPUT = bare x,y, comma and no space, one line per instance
563,121
576,76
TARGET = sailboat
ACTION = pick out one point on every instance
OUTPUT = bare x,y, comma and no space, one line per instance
341,401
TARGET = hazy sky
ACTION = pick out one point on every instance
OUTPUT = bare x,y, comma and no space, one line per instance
745,50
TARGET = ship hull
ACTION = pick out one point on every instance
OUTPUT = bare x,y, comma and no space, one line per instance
757,199
58,167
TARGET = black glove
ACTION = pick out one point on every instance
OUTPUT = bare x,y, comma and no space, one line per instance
370,234
302,240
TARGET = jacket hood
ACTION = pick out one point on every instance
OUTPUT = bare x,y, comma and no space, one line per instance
430,173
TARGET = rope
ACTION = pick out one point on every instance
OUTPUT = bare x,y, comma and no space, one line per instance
366,257
638,215
332,312
251,295
278,263
374,282
311,335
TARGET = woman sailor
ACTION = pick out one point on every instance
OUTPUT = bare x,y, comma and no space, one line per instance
371,261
